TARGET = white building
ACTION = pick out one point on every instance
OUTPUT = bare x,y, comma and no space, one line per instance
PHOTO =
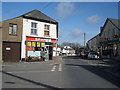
67,50
28,34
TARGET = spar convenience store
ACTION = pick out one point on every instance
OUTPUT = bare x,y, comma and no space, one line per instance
35,44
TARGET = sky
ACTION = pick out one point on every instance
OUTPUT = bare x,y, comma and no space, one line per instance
74,18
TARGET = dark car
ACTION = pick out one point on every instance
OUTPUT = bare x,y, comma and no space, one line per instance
84,54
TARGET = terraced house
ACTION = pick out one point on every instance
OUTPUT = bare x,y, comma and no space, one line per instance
27,34
108,40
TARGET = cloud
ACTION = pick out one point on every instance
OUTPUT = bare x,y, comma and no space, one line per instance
65,9
76,33
93,19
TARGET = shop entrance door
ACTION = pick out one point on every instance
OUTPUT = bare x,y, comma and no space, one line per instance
50,52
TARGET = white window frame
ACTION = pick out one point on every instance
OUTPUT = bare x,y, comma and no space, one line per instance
33,28
12,29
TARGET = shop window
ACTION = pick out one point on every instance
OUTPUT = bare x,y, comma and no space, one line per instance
46,30
12,29
33,28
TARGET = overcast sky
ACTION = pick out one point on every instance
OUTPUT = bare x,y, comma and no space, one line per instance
74,18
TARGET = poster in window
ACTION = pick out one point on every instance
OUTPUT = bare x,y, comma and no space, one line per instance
42,44
33,44
29,44
38,44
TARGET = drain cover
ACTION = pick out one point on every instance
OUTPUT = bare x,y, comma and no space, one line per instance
10,82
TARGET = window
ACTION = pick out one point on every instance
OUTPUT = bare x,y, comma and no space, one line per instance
12,29
33,28
46,30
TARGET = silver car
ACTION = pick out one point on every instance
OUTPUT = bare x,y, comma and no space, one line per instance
93,55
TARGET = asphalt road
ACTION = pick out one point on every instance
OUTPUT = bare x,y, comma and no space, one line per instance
65,72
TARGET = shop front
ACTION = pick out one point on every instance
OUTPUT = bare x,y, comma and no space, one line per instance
110,48
35,47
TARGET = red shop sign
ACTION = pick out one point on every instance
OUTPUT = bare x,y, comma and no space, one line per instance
39,39
35,39
30,48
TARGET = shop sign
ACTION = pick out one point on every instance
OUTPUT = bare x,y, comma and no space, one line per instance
42,44
30,48
29,44
53,40
33,44
38,44
8,48
35,39
40,39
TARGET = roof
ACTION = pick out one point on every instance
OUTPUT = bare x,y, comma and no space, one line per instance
36,14
93,38
115,22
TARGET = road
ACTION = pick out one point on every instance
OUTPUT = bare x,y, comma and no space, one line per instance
65,72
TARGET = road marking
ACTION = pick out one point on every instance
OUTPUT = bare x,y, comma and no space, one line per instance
53,69
60,67
27,71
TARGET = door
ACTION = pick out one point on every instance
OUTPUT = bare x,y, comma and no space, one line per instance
50,52
11,51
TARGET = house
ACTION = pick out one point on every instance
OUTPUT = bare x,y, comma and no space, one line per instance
27,34
110,39
67,50
93,44
57,50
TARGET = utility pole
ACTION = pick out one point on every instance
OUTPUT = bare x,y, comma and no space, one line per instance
84,39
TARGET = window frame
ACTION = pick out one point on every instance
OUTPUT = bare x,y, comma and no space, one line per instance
33,28
47,30
12,30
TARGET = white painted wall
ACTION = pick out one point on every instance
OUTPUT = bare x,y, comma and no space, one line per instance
40,32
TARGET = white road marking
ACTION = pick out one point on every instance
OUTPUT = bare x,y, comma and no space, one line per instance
27,71
60,67
53,69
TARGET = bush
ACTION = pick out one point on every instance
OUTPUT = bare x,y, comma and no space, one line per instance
29,58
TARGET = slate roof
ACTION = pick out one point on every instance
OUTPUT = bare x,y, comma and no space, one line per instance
37,15
116,22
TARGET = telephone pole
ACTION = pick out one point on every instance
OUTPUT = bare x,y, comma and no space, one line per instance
84,39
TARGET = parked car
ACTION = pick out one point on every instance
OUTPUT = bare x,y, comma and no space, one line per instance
93,55
84,54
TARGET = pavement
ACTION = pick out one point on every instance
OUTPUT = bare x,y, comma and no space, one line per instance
62,72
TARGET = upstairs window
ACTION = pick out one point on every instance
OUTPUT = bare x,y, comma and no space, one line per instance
46,30
12,29
33,28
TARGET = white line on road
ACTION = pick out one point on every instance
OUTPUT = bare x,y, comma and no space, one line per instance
60,67
27,71
53,69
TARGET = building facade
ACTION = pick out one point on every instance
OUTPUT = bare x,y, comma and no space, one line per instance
108,40
94,43
67,50
27,35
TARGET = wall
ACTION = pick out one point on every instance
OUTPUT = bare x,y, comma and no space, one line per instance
0,42
93,44
5,29
40,32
